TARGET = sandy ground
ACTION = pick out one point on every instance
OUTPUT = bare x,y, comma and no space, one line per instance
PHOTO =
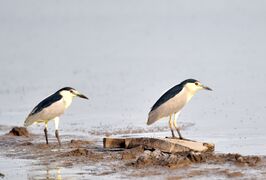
78,158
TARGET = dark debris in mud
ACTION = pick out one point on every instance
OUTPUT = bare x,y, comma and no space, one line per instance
2,175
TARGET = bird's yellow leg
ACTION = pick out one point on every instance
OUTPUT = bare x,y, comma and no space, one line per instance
176,127
56,121
171,126
45,131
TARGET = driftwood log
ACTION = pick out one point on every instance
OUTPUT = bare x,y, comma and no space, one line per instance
164,144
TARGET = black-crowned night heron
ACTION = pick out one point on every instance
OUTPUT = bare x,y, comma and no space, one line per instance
171,102
51,108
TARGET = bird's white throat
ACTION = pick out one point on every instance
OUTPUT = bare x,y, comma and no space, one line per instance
190,91
67,98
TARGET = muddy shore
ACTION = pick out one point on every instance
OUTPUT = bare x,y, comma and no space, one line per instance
131,163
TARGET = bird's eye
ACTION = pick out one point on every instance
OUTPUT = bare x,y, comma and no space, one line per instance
196,83
71,91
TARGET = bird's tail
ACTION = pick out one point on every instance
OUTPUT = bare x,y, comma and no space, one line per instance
153,116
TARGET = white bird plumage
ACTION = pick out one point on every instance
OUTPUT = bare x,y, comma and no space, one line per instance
172,101
51,108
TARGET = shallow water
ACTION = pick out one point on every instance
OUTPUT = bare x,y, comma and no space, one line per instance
124,55
12,169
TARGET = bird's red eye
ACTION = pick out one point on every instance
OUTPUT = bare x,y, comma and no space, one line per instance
196,83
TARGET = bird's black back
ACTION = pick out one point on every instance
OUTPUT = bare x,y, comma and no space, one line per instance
171,93
46,102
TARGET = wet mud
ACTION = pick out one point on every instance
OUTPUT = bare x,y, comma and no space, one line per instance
138,161
158,158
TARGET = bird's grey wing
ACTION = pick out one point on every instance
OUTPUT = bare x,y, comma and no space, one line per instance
167,95
156,112
35,113
45,103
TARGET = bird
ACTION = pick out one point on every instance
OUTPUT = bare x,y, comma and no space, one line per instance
172,101
51,108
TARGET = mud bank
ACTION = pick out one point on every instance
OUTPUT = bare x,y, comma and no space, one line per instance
138,161
158,158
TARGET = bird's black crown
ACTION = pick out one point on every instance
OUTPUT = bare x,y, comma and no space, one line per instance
188,81
66,89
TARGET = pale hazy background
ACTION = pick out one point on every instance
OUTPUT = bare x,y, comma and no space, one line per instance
125,54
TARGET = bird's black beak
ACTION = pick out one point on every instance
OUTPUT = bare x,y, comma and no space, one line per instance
207,88
82,96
